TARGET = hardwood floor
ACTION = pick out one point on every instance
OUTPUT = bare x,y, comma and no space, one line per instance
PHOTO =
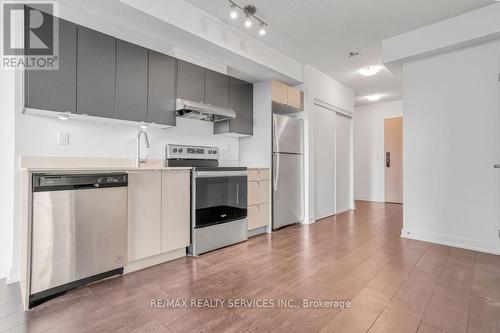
394,285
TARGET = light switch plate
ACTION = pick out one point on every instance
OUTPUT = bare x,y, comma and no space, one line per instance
63,138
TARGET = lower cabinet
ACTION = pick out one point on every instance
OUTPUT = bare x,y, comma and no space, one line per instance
259,199
144,214
159,212
176,223
258,216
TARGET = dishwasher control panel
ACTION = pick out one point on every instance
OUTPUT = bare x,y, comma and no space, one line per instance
46,182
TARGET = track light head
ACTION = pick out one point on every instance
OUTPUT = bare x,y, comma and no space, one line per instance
262,29
233,14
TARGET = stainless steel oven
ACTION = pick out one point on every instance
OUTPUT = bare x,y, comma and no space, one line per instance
218,198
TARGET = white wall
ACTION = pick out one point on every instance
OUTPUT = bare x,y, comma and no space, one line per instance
454,33
451,135
255,151
7,134
369,168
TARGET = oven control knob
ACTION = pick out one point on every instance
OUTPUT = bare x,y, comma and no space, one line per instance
174,150
210,152
180,150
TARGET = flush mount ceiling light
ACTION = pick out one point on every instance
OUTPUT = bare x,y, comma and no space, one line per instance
374,97
370,70
249,12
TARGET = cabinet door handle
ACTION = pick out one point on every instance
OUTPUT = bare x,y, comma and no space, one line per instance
388,159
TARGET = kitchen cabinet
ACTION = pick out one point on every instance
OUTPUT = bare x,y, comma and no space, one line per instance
144,214
190,82
131,82
286,99
241,101
259,199
258,191
96,62
295,98
55,90
176,223
161,89
279,92
258,216
216,89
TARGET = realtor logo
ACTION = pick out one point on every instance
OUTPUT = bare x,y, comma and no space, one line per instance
30,35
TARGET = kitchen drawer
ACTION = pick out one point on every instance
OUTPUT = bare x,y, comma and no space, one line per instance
258,192
258,216
258,174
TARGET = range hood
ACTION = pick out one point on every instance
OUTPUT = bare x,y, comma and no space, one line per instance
201,111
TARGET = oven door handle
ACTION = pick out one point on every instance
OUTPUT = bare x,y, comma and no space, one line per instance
215,174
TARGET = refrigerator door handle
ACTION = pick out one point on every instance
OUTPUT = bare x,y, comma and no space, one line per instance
276,175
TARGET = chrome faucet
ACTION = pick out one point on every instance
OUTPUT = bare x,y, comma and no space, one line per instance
141,132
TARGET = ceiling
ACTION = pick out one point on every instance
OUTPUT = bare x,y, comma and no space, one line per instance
323,32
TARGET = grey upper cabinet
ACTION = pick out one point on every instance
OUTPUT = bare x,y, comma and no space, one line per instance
131,82
55,90
96,73
241,101
161,89
217,89
190,81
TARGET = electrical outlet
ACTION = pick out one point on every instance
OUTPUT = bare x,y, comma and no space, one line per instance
63,138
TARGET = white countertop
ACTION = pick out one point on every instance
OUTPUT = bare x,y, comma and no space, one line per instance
104,169
84,164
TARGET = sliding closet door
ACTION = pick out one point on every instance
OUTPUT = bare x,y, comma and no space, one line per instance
324,162
343,163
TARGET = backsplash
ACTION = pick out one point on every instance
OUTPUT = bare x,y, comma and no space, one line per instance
39,137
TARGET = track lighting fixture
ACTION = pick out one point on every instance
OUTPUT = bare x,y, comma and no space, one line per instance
249,15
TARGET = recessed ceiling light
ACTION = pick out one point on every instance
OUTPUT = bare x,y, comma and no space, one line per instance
370,70
374,97
233,13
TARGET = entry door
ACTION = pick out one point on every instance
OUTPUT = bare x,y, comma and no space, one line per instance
393,129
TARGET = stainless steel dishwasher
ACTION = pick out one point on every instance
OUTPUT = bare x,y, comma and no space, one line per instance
79,231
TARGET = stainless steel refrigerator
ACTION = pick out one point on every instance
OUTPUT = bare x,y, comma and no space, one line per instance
288,171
